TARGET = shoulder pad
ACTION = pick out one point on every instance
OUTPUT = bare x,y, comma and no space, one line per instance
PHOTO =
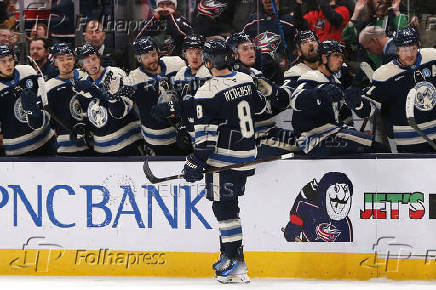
25,71
313,76
203,72
428,55
207,90
386,72
53,83
297,70
116,70
173,63
180,75
242,77
137,77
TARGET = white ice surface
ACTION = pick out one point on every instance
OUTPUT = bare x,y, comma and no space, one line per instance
130,283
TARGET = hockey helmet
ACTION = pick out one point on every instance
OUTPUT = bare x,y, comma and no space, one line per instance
167,46
144,45
329,46
86,50
406,36
61,48
218,53
305,34
5,50
236,39
193,41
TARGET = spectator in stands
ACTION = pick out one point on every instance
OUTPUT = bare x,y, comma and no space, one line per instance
381,13
7,14
166,29
327,20
95,36
7,37
39,51
38,30
374,40
280,24
214,17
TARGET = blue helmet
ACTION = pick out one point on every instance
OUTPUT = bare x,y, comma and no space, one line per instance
406,36
304,34
218,53
61,48
86,50
329,46
193,41
5,50
144,45
236,39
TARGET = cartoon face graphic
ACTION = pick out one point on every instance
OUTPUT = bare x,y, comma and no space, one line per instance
338,201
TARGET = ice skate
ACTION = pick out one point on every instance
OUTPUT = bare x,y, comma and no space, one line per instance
231,270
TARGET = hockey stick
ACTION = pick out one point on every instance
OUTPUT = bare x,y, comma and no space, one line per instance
410,115
153,179
368,71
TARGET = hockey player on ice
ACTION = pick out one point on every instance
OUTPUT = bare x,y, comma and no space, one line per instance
25,127
153,82
62,98
412,75
320,211
105,95
224,134
317,102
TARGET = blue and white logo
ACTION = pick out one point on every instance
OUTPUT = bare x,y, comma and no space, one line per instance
97,114
425,99
19,113
76,109
426,72
29,84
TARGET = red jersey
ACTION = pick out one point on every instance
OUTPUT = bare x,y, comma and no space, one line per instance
318,23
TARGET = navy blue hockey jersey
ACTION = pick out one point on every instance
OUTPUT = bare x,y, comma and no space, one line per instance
391,85
225,109
113,133
312,121
187,85
18,137
65,105
155,133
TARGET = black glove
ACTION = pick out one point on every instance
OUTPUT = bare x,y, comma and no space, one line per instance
353,97
83,85
88,87
78,133
328,93
194,167
165,110
29,103
183,140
